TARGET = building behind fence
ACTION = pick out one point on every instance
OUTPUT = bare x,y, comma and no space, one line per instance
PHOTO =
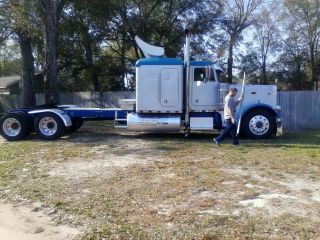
300,109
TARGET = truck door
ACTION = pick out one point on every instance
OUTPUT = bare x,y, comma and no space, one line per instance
169,87
204,93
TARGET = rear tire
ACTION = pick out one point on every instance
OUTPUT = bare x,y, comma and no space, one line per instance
259,124
15,126
49,126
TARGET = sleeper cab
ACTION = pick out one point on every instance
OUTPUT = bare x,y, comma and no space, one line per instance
159,85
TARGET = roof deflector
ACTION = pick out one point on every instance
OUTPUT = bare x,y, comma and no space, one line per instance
148,50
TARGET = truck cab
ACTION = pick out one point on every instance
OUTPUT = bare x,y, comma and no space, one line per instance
171,88
204,87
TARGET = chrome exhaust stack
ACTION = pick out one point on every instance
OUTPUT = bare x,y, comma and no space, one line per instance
187,82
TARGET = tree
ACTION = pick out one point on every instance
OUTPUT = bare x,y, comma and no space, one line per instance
265,36
50,12
237,17
19,17
10,61
306,14
161,23
294,58
250,66
97,45
86,59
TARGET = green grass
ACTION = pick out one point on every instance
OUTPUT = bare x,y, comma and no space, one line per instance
12,151
11,159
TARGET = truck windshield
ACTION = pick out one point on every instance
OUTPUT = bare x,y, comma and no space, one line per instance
200,75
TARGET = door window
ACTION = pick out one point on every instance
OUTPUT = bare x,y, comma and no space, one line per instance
200,75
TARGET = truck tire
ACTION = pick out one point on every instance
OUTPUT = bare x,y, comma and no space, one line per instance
76,125
49,126
258,124
15,126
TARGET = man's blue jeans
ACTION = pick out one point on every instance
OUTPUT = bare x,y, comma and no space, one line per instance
230,129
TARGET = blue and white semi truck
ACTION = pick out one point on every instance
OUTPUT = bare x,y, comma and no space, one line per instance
172,95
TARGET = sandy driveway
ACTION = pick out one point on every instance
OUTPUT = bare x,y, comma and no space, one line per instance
21,223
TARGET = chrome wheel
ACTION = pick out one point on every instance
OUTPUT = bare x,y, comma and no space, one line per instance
48,126
11,127
259,125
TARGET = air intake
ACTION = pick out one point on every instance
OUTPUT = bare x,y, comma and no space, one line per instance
148,50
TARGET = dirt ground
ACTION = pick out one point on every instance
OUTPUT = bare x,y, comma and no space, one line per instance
102,183
25,223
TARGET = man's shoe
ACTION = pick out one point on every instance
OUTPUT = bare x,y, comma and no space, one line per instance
236,145
216,142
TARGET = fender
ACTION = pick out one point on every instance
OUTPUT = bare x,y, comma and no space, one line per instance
64,117
248,108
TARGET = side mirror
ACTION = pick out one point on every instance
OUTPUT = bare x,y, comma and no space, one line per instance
208,74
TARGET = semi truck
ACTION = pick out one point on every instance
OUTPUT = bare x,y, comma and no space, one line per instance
172,95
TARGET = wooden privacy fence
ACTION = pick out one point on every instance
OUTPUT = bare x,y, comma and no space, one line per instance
300,109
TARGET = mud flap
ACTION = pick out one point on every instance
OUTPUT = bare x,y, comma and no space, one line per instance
279,127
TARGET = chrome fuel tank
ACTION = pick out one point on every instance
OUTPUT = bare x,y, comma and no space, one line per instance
154,122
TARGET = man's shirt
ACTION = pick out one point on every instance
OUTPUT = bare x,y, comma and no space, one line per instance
231,103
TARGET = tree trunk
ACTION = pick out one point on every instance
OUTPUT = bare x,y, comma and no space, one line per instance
51,10
264,71
51,89
230,61
123,63
27,96
123,76
52,63
313,68
93,76
299,74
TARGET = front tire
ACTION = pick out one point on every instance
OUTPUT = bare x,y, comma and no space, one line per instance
15,126
259,124
49,126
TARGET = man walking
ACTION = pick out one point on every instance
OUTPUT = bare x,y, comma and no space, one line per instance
230,105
